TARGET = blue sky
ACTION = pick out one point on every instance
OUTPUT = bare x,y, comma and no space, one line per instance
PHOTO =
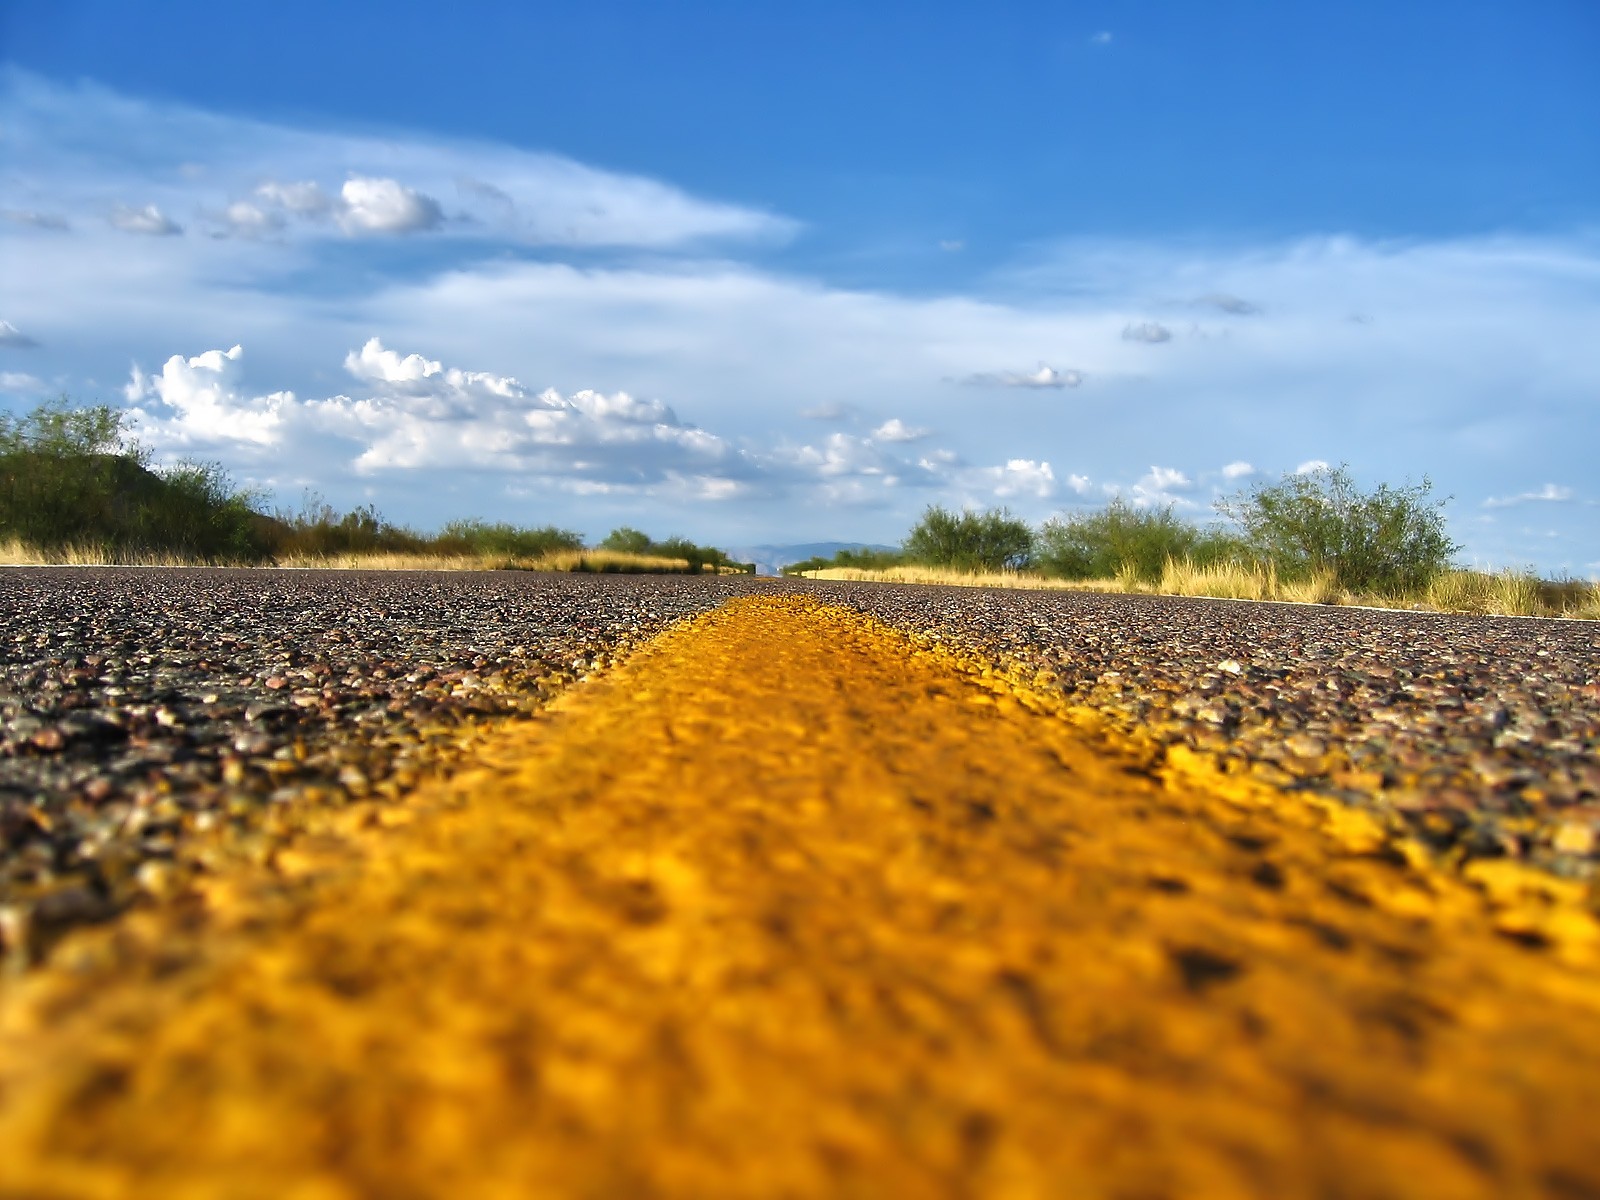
779,273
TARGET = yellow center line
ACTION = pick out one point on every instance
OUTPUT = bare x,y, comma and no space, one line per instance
788,905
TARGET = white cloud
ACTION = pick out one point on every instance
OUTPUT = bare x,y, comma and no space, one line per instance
1044,377
1147,331
1311,466
80,139
1237,469
1100,38
385,206
251,220
1081,484
896,430
20,383
205,407
1023,477
1166,479
1550,493
825,412
148,220
952,245
1159,487
14,338
417,414
304,198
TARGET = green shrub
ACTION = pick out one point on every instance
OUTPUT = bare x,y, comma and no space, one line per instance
633,541
1390,540
1121,541
512,541
318,530
969,541
862,559
628,540
72,477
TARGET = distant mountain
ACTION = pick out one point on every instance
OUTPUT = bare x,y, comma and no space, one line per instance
769,560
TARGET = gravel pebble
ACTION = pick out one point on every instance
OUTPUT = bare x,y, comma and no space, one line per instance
154,722
151,720
1478,735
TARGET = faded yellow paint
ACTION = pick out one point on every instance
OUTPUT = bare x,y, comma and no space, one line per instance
789,905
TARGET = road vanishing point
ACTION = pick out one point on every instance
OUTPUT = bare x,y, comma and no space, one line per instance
791,904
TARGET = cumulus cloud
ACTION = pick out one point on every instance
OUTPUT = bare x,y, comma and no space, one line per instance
203,404
1165,479
1044,377
896,430
416,413
1554,493
1237,469
1100,38
149,220
1224,302
304,197
1081,484
246,219
1159,487
370,205
1020,477
1147,331
13,338
1311,466
38,220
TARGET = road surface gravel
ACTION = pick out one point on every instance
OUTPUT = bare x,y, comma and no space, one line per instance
154,720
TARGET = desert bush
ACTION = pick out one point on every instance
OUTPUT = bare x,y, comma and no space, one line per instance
73,477
629,541
504,540
1123,541
860,559
969,541
1390,540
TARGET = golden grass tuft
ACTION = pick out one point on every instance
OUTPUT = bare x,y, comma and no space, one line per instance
605,561
1501,593
1245,581
559,562
15,553
952,578
1586,606
391,562
1506,593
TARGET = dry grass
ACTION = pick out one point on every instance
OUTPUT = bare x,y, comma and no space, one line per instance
15,553
1505,593
939,575
1586,605
18,554
559,561
393,562
1245,581
605,561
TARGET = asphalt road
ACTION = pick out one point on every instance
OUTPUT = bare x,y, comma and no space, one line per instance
159,721
790,904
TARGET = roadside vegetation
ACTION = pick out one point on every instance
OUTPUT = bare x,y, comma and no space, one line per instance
76,488
1312,537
